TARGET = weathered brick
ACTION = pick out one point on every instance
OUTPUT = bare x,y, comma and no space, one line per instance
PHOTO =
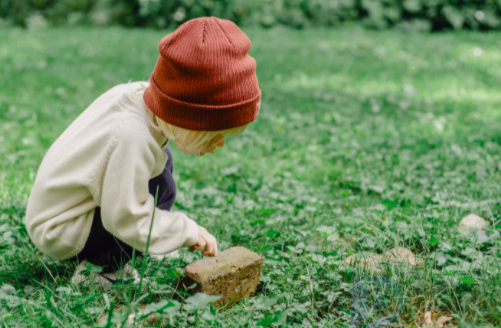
233,274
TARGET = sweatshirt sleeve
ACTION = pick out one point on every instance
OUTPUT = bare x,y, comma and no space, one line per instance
126,204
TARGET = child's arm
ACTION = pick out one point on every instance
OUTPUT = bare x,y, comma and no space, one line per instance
126,204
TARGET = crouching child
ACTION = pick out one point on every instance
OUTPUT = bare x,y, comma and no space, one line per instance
94,194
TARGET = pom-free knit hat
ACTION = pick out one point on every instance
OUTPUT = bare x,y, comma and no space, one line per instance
204,79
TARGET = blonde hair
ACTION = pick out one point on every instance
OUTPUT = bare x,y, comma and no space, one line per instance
188,141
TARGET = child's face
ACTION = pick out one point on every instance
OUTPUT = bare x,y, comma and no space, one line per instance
215,143
198,142
207,147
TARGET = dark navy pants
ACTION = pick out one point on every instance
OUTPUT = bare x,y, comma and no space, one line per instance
106,250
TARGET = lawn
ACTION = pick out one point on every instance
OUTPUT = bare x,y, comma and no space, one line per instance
366,140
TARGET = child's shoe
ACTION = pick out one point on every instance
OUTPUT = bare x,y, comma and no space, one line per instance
105,279
173,254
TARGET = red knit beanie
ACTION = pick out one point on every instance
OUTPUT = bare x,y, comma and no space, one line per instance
204,79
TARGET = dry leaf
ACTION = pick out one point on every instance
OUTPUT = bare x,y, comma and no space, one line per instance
428,322
443,320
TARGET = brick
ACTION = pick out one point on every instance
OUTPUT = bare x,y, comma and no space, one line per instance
233,274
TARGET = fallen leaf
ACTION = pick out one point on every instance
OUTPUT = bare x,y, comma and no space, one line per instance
443,320
428,322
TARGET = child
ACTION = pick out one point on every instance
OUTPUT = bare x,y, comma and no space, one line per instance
93,197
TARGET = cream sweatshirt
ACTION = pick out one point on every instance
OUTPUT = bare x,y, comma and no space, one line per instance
104,158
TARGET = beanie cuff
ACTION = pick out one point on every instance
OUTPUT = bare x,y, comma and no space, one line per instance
197,116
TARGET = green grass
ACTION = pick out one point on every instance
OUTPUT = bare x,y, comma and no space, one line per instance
349,118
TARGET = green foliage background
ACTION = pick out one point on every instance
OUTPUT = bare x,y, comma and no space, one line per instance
408,14
366,140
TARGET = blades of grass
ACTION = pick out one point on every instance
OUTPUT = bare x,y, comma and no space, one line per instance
148,241
132,268
110,314
129,297
48,270
143,270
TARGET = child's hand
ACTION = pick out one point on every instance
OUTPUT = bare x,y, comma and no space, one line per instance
205,239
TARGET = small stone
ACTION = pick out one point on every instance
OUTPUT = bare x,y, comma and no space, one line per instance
350,260
393,255
371,262
472,222
401,254
233,274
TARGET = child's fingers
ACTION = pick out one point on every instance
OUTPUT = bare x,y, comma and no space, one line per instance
213,243
200,244
210,246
